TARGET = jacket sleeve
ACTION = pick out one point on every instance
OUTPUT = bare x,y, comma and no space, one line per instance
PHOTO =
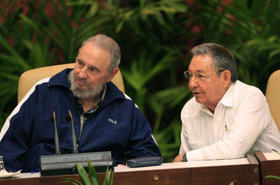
14,144
141,143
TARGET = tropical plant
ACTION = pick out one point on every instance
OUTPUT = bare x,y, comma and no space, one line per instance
273,177
91,178
245,28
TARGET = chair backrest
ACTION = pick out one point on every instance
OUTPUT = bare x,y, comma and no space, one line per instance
30,77
273,96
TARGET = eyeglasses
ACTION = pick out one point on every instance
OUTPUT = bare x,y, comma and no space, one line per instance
199,76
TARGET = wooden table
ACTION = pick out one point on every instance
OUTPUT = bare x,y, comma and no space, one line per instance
167,174
268,167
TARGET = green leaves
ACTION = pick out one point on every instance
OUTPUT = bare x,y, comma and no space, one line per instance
92,173
168,140
109,177
83,174
273,177
145,13
92,178
74,181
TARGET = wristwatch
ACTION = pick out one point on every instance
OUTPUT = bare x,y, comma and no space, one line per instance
184,158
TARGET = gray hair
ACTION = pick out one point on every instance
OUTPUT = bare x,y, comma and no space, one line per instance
222,58
108,44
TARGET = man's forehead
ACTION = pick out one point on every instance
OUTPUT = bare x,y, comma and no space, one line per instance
197,71
201,63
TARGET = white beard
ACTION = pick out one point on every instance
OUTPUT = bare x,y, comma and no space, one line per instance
88,92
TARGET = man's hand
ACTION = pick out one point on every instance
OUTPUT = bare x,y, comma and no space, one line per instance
121,165
179,158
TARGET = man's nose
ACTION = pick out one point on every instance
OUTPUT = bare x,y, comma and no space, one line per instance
192,82
83,73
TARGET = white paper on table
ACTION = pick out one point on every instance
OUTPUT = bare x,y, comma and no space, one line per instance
272,156
5,174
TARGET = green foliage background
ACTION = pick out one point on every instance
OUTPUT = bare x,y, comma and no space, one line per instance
155,37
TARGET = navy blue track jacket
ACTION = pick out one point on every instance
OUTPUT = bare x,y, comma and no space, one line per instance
118,126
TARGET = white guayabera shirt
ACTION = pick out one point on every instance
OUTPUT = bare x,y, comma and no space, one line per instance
241,123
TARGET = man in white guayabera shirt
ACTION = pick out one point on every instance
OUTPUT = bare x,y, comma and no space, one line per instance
226,118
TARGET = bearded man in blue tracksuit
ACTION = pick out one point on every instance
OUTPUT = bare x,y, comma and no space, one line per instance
104,118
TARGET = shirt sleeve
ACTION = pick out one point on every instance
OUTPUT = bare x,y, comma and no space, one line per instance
184,148
249,122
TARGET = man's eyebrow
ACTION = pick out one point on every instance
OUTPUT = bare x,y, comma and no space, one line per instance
200,71
93,67
80,60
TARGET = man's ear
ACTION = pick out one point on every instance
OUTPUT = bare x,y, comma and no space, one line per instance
112,74
226,75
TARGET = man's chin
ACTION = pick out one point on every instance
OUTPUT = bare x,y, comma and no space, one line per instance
81,92
198,100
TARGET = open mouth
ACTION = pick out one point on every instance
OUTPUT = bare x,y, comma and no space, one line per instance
196,93
81,83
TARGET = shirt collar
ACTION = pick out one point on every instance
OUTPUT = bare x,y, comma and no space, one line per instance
228,97
227,100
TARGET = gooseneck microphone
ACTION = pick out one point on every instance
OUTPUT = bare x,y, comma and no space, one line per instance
75,150
66,163
82,121
56,138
